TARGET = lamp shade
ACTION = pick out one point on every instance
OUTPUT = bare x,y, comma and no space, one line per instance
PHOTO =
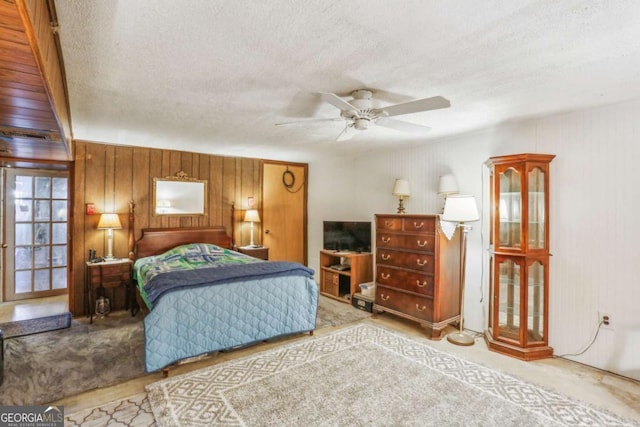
401,188
447,184
109,221
251,215
460,208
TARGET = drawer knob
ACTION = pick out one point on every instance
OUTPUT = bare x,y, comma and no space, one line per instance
384,298
386,257
416,225
424,307
422,262
422,244
386,239
385,276
421,284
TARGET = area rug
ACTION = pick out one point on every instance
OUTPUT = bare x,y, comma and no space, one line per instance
20,328
132,411
362,375
46,367
42,368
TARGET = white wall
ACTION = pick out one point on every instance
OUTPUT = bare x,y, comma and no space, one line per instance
593,229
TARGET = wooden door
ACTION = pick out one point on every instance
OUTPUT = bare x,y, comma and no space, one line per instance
284,199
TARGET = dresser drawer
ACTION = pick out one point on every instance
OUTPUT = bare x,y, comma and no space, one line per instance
400,279
416,242
418,307
411,260
109,276
386,223
426,225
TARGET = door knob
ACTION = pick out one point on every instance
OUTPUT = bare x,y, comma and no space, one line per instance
4,245
266,231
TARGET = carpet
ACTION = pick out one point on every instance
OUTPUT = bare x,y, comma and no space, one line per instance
20,328
361,375
42,368
46,367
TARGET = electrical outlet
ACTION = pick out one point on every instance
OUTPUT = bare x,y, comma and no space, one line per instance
605,318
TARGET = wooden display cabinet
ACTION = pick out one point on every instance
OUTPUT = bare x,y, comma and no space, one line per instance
342,284
519,247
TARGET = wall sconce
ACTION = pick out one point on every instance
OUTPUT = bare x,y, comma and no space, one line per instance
251,215
447,184
401,189
109,222
461,209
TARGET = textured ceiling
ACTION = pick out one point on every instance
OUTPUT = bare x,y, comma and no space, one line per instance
216,76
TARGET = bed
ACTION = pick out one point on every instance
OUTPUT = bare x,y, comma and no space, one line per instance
208,308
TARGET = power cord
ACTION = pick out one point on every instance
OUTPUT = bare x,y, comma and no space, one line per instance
588,346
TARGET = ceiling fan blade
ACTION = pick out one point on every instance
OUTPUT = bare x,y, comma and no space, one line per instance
298,122
402,126
425,104
346,134
337,102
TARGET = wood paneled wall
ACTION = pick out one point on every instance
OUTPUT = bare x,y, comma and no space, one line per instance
42,38
111,175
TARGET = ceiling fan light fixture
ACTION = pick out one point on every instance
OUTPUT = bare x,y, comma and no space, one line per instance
361,124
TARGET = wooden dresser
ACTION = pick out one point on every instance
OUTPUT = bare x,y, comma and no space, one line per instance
417,271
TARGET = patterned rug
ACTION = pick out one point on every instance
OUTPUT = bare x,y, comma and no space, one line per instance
361,375
21,328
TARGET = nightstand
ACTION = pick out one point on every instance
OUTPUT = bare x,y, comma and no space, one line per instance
108,275
255,251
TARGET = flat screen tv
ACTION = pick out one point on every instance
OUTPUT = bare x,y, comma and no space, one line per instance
347,236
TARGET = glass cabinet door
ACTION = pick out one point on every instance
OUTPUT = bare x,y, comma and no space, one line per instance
535,302
509,276
536,210
509,209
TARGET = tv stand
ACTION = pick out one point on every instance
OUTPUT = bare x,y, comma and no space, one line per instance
342,284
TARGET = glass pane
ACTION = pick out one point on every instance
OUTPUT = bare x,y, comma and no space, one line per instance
43,210
510,208
509,300
43,187
59,232
23,234
535,302
23,210
23,258
41,280
41,256
23,281
42,233
24,187
59,278
60,186
59,256
536,209
59,208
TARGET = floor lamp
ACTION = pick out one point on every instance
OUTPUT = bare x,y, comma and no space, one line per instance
461,209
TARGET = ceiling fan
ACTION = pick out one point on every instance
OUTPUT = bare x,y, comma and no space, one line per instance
360,115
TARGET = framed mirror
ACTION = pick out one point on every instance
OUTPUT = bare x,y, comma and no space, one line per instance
179,195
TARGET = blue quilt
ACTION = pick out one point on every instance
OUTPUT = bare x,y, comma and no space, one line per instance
203,298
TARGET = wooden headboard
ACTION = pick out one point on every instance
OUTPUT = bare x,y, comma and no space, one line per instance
155,241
